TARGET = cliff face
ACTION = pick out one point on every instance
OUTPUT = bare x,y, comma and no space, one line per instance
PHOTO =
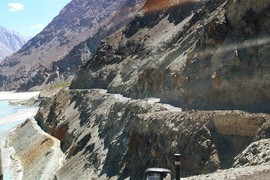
10,42
107,135
36,64
195,54
38,152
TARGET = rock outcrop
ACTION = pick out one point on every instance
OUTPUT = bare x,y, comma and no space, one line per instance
38,152
256,153
194,55
247,173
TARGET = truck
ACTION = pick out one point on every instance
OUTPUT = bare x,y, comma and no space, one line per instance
162,173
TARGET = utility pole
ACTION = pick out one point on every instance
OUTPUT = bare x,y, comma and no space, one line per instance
177,166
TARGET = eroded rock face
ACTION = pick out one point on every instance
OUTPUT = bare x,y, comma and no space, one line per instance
106,135
256,153
38,152
248,173
237,123
204,59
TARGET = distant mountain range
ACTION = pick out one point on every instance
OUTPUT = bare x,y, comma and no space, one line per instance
45,59
10,42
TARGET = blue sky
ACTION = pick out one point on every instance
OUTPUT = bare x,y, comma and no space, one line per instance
29,17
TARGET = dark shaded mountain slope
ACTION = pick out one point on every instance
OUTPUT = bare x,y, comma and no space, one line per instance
34,65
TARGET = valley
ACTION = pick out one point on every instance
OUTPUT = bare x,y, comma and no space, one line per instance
121,95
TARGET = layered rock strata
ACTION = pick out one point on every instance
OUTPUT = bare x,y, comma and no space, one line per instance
198,54
39,153
107,135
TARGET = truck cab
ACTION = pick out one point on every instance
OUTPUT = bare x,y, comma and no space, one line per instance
157,174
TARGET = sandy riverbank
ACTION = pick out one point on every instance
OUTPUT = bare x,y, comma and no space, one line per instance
10,96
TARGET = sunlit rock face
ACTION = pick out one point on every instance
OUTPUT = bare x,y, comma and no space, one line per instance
43,59
38,152
255,153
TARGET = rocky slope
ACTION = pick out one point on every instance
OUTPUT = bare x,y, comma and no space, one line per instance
10,42
197,54
207,57
247,173
39,62
38,152
106,136
109,136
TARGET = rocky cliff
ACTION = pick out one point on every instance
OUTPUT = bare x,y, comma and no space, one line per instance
10,42
40,61
106,135
38,152
196,55
184,76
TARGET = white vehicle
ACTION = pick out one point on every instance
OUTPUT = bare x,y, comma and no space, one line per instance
163,174
158,174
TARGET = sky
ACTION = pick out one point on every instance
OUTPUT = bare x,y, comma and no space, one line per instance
29,17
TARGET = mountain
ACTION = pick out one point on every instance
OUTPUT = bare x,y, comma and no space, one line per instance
35,65
193,55
10,42
188,77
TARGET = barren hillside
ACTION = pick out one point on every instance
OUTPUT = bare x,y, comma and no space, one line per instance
35,65
188,77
